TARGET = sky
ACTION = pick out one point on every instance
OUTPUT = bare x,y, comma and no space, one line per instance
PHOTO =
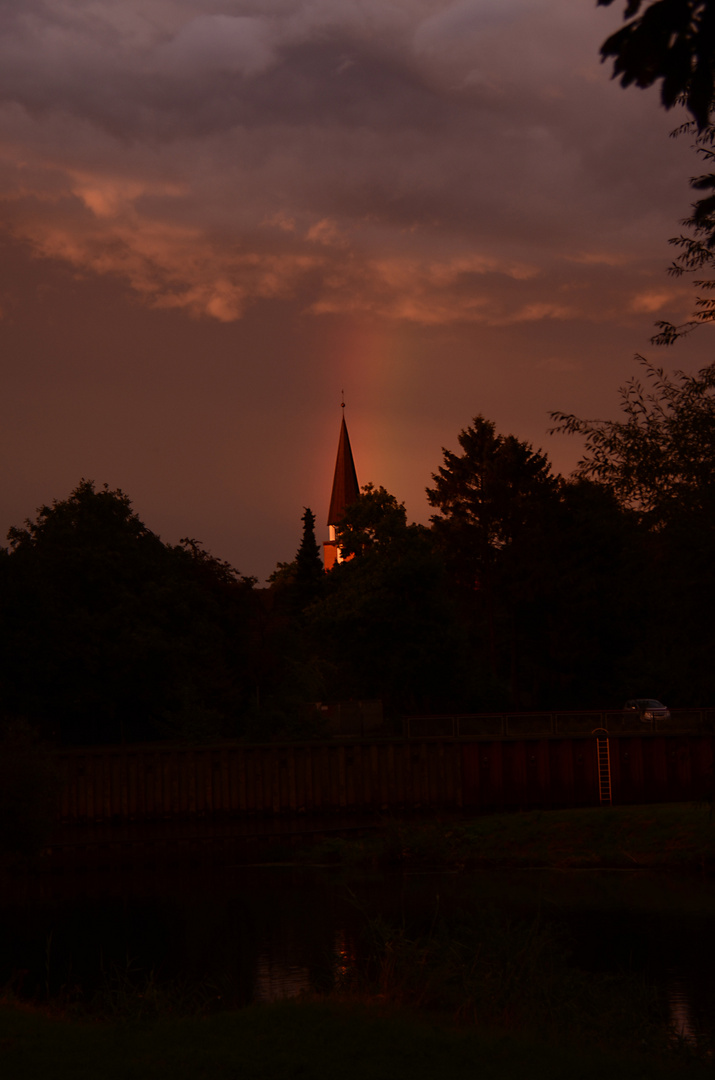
215,218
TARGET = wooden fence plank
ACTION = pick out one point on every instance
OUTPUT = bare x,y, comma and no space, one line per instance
241,767
342,779
137,783
309,799
292,785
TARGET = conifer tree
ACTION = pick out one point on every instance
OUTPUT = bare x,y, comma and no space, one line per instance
308,580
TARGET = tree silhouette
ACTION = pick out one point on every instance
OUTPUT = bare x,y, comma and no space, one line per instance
387,625
660,459
697,249
487,498
495,502
309,571
672,41
375,520
107,633
659,463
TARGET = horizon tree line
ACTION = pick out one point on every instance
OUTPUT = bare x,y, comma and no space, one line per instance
527,591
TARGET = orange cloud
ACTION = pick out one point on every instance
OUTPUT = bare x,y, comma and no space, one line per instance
171,265
326,232
428,291
111,196
647,303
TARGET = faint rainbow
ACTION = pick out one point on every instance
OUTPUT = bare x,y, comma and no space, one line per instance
374,368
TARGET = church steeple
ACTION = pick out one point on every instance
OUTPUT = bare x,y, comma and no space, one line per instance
345,481
345,492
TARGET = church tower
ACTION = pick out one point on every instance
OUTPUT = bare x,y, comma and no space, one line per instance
345,492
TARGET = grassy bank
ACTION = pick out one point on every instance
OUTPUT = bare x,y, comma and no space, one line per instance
665,836
306,1040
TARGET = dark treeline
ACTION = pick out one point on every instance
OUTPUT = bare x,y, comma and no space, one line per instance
527,591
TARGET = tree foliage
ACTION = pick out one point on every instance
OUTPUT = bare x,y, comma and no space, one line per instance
671,41
108,633
387,625
494,501
660,459
487,497
288,669
309,570
697,248
674,41
542,567
376,520
659,463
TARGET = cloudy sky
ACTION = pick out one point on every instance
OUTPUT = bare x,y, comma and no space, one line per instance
216,216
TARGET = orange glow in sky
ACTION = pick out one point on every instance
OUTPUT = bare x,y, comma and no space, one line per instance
216,216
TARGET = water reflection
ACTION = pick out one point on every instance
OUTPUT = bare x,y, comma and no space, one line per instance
269,933
680,1009
344,959
276,979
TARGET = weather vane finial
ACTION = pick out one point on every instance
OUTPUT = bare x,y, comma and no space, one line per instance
342,403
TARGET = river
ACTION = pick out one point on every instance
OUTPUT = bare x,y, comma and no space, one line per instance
247,933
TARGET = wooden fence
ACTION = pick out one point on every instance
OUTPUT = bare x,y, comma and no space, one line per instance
553,772
145,783
148,783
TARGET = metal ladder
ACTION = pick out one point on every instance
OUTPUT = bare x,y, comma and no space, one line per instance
604,766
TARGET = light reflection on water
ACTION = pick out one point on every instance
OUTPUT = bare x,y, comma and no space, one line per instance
276,979
681,1017
344,958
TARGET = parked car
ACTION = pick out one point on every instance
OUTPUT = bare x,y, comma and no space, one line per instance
647,709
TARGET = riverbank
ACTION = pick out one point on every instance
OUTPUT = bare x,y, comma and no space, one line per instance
677,836
309,1039
664,836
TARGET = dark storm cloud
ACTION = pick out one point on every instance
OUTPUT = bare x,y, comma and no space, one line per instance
213,72
430,161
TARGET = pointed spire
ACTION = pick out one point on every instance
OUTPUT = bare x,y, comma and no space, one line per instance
345,481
